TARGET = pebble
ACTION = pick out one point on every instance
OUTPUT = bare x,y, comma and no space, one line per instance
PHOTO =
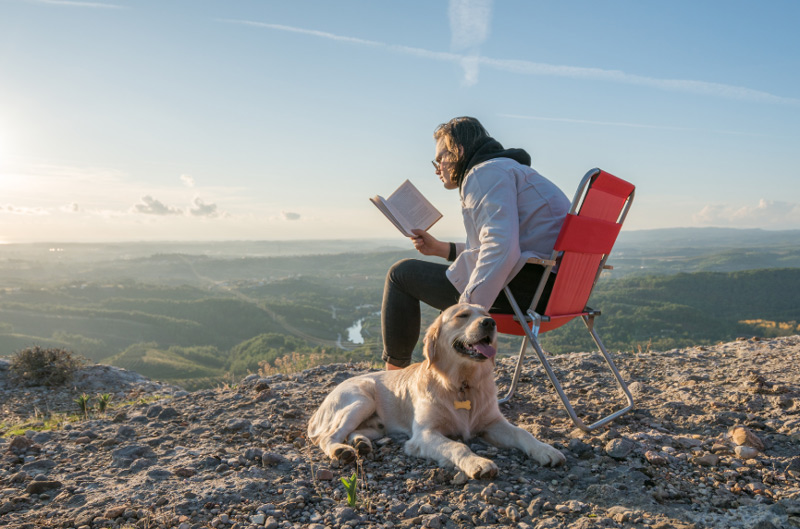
708,460
619,448
743,436
746,452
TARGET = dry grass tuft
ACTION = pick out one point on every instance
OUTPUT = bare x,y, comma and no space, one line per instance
36,366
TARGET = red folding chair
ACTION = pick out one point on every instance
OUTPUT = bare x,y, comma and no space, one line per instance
584,242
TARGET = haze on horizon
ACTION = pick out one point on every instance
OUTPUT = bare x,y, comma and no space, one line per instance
266,120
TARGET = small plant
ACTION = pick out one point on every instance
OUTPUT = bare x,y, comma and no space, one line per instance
36,366
350,485
103,400
84,404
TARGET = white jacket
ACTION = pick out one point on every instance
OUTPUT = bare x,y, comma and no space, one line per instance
511,213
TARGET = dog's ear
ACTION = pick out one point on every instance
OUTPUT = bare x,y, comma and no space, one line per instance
431,336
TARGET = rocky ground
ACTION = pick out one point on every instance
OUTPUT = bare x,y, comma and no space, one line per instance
714,441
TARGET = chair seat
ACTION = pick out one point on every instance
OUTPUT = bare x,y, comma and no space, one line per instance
506,324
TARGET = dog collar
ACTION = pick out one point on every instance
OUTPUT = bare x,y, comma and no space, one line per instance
465,404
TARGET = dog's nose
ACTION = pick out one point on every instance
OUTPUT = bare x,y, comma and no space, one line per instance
488,323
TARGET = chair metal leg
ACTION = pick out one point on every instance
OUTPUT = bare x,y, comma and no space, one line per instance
532,338
517,371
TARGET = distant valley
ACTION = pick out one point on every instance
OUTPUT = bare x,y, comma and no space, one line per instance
199,314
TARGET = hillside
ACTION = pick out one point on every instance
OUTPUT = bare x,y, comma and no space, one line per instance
712,442
201,337
199,315
684,309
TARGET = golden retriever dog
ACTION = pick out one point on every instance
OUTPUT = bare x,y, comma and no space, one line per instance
450,394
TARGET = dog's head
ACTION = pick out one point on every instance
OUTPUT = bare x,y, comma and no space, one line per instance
465,330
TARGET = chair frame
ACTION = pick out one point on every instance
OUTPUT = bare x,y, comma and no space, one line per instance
534,320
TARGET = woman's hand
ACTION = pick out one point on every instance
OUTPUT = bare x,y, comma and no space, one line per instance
427,244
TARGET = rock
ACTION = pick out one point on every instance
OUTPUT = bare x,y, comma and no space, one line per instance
745,452
689,442
743,436
708,460
19,445
343,515
432,521
459,479
183,472
237,425
324,474
38,487
115,512
513,514
158,474
42,437
619,448
19,477
580,449
39,466
133,451
168,414
656,458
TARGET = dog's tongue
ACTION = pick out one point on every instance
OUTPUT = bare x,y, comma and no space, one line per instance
485,349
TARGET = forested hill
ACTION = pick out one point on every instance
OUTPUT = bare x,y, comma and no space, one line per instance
195,320
678,310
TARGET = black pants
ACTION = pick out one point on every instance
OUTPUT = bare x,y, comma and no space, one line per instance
412,281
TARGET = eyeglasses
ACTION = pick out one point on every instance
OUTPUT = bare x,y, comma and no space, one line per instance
438,165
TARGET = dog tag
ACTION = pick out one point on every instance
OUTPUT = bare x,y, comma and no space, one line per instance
462,404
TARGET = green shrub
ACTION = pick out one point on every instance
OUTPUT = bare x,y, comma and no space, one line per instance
36,366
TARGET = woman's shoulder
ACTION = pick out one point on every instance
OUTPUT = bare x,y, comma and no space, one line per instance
493,177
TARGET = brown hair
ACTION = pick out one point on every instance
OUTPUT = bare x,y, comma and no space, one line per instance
462,137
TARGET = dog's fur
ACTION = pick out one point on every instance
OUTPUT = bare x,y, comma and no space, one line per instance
419,401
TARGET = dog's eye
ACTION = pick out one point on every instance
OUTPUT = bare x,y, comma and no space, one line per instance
462,315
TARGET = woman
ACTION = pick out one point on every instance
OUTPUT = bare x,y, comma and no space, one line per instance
511,213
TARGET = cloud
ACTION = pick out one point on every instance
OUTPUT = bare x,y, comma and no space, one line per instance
71,208
469,22
187,180
471,62
766,214
202,209
289,215
469,28
151,206
17,210
72,3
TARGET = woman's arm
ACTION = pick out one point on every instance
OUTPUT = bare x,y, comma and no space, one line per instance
491,199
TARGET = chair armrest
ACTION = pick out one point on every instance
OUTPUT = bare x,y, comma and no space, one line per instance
543,262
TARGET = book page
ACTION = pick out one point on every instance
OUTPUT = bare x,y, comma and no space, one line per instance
414,209
407,209
387,210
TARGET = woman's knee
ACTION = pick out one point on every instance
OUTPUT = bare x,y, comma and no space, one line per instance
400,271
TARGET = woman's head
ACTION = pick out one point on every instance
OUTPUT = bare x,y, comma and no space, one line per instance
455,141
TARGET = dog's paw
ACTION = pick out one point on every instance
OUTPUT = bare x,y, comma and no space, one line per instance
344,454
479,468
362,445
548,456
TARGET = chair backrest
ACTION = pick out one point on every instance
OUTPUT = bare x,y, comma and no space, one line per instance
585,240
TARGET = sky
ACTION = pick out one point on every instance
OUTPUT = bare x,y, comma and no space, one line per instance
152,120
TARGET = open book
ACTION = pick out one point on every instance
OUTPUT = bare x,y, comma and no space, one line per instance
407,209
